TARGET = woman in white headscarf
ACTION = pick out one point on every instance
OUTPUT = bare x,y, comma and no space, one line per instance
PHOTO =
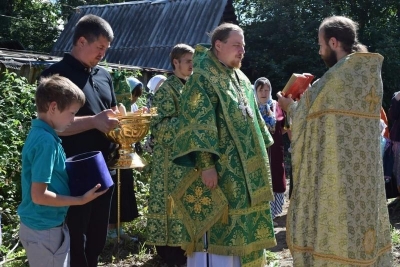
274,119
153,85
155,82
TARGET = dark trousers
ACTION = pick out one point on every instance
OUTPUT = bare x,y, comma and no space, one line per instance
88,230
171,255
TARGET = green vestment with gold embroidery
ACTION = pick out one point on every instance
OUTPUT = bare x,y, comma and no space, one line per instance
164,227
338,215
211,121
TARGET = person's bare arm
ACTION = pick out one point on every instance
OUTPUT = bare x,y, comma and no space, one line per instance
104,121
41,196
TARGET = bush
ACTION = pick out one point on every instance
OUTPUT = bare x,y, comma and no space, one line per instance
16,110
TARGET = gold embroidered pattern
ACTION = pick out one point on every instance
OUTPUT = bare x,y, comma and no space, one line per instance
217,126
254,163
164,225
337,214
198,200
373,99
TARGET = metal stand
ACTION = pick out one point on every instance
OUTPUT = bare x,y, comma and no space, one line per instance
118,209
118,206
206,248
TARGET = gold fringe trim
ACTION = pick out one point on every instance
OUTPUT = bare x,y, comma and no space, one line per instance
225,215
189,249
263,261
196,231
170,206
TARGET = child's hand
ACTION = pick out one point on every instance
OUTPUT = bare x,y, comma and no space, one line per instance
92,194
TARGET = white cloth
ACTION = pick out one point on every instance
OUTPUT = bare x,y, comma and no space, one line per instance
199,259
134,107
154,81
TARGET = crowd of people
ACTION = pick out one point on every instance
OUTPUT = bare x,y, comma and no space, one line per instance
218,177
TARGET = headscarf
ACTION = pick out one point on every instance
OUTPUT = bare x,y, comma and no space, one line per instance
154,81
267,110
133,82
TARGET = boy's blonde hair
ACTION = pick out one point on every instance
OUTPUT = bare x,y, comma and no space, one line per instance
60,90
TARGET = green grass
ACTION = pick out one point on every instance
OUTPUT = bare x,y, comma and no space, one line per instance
272,258
395,233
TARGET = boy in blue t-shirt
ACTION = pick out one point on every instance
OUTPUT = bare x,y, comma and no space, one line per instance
44,180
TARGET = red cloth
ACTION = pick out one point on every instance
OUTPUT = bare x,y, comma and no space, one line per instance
275,154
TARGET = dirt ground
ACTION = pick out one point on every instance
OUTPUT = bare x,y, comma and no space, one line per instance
285,258
134,254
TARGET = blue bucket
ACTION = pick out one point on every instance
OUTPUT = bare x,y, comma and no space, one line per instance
85,171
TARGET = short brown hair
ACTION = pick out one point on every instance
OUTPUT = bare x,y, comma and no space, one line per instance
178,51
91,27
57,89
222,32
344,30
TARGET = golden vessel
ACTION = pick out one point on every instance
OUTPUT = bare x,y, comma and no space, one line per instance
132,128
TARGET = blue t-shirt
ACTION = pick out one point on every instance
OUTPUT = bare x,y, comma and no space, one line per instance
43,161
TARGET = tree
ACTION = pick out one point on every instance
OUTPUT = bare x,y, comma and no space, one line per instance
69,6
35,24
282,36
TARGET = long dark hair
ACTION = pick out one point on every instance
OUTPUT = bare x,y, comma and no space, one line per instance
345,31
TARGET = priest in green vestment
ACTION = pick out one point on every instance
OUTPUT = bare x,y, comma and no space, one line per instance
225,201
337,214
164,225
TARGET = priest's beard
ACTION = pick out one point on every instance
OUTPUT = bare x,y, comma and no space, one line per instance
236,64
330,59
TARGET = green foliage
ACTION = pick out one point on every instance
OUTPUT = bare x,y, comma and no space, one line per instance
121,87
16,110
36,24
25,19
395,234
70,6
271,258
142,192
282,36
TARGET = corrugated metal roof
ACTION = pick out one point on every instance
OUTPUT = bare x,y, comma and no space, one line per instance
22,57
146,31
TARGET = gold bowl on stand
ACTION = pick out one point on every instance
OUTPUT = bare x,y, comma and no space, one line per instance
133,127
